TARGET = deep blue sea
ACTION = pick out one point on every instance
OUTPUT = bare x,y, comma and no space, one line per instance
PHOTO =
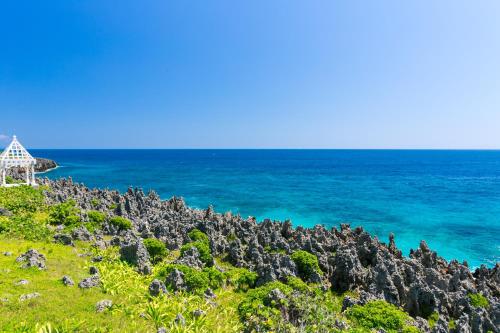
449,198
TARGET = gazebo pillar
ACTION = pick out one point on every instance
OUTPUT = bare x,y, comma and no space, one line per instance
27,169
4,182
33,181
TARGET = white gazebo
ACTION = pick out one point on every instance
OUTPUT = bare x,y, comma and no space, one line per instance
16,156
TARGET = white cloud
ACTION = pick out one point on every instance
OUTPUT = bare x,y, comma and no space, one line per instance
4,137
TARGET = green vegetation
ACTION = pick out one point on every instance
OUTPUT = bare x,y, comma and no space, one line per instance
121,222
21,199
95,202
297,284
10,180
96,217
259,309
246,279
452,324
307,263
203,248
381,315
202,244
197,236
65,213
156,249
478,300
433,319
96,220
28,213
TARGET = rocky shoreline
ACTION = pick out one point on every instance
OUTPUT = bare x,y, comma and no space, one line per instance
350,259
42,165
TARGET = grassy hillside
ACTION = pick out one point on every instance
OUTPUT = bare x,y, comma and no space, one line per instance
28,223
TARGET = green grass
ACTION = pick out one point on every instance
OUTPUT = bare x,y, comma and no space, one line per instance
69,308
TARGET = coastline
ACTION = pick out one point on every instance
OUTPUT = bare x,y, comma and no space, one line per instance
349,259
48,170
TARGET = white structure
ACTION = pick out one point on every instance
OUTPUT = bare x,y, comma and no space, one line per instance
16,156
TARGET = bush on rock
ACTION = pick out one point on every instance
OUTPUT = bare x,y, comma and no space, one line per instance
121,223
379,314
478,300
65,213
307,263
156,249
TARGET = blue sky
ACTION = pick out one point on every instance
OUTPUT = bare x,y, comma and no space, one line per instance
250,74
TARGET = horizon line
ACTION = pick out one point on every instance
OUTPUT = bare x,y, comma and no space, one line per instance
272,148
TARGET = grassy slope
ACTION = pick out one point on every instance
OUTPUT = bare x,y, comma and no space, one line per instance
69,308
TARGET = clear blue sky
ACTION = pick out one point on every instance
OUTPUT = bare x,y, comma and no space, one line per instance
250,74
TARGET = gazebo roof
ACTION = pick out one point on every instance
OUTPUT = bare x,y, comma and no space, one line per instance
15,155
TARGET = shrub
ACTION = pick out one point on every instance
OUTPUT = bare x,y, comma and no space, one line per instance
25,227
379,315
65,213
197,235
246,280
215,277
10,180
196,281
121,222
95,202
96,217
478,300
21,199
258,297
258,311
297,284
203,248
306,262
433,318
156,249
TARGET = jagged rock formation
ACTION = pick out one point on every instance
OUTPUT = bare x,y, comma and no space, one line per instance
350,259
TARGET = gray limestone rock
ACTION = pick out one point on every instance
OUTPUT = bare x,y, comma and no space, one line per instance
67,281
157,287
175,280
180,320
32,259
103,305
190,258
64,239
26,297
134,252
90,282
21,282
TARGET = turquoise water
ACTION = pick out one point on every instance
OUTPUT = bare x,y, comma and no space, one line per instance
449,198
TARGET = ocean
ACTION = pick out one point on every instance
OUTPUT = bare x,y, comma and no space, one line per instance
450,198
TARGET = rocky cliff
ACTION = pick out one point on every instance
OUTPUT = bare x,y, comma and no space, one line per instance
423,283
42,165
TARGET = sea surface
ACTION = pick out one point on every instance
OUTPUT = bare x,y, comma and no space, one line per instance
449,198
